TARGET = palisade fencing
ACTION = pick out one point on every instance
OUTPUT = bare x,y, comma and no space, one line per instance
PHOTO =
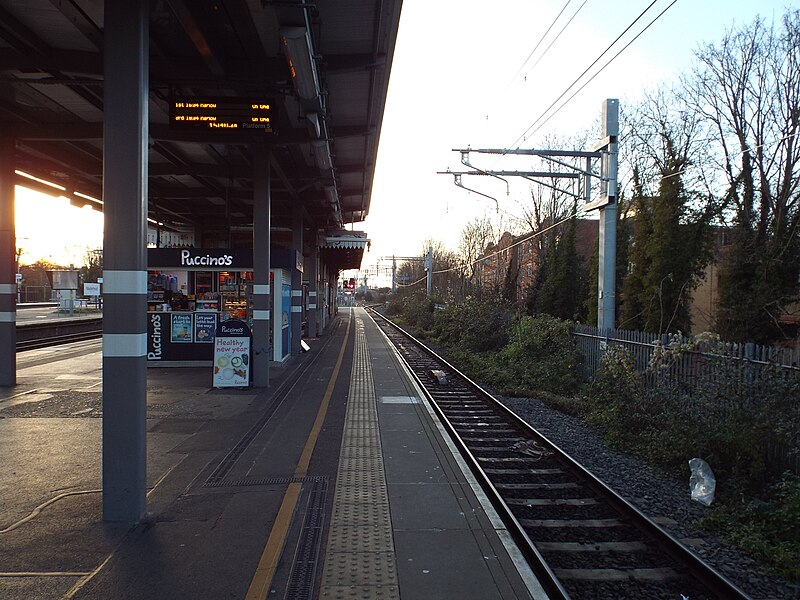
713,382
689,365
35,293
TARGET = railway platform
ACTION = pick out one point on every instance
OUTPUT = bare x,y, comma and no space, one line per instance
336,482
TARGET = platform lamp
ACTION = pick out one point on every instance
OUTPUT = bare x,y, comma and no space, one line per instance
332,195
322,154
297,46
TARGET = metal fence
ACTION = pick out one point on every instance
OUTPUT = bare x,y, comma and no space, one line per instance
36,293
689,364
713,381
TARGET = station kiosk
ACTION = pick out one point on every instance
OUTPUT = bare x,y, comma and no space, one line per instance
191,290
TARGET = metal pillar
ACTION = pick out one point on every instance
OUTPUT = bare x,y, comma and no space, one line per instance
312,270
429,267
262,209
394,276
8,275
326,304
607,258
125,118
297,279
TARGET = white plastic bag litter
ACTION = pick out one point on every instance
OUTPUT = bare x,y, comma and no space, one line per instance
702,483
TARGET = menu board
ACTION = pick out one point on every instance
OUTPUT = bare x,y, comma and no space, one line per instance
181,330
204,326
232,354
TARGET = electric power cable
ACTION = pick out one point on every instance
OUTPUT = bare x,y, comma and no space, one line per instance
577,79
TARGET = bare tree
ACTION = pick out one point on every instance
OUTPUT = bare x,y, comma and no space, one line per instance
748,90
552,200
670,237
446,271
476,236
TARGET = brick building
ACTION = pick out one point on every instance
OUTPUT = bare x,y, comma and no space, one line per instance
522,254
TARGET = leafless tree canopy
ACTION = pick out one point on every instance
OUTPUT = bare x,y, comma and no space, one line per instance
475,237
747,88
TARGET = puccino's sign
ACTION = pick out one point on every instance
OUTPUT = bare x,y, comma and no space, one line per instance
189,259
199,259
177,336
155,345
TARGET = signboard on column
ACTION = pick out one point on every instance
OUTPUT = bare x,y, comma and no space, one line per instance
232,354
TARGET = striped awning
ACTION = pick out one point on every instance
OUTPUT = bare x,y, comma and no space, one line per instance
344,249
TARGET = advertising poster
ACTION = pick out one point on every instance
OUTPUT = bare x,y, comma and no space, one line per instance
204,326
232,354
181,327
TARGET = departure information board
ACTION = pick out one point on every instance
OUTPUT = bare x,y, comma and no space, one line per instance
239,115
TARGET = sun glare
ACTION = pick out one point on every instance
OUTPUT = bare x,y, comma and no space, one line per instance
51,229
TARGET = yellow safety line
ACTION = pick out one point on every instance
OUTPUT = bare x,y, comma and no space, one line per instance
262,578
44,574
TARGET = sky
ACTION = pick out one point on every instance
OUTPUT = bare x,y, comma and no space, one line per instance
51,229
465,74
458,81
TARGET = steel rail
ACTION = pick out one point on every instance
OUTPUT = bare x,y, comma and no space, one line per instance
35,343
709,577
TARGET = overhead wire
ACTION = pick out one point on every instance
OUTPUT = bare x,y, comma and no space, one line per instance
522,240
555,112
555,39
565,92
410,284
577,79
539,43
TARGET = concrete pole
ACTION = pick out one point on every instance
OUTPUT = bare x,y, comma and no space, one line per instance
394,275
125,141
607,258
8,259
262,208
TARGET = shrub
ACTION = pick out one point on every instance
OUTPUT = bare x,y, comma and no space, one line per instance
768,529
412,309
613,397
540,355
476,325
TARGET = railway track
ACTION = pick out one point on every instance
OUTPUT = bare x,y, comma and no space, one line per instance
581,538
43,335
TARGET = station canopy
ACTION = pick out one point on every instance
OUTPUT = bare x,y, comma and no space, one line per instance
344,249
308,79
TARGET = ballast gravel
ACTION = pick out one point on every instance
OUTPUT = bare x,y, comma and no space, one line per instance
659,497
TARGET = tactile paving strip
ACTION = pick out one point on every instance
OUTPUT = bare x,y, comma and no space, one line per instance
361,513
360,561
360,592
371,568
349,479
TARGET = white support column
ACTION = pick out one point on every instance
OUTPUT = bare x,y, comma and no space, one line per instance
312,275
262,317
296,315
125,142
8,255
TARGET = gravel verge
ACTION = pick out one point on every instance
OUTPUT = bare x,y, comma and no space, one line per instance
653,494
